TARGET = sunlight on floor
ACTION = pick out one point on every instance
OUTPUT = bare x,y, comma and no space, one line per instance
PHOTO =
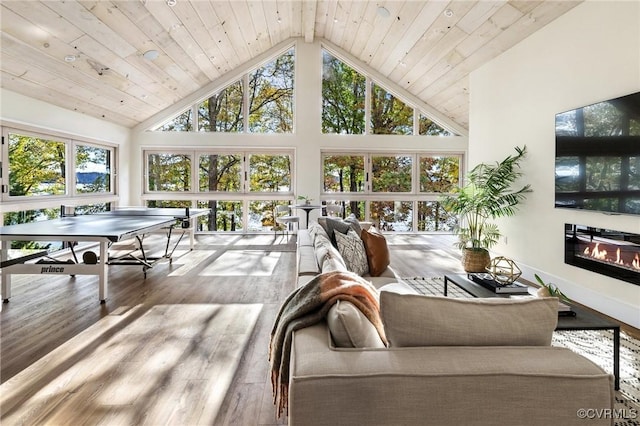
168,364
189,261
243,262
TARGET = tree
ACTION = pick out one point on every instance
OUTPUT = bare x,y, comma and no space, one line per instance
389,115
36,166
343,97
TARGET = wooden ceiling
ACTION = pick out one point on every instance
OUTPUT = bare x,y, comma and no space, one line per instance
426,47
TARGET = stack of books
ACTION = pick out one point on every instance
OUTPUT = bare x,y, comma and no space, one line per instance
487,281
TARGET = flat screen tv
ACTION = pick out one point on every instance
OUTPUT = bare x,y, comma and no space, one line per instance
598,157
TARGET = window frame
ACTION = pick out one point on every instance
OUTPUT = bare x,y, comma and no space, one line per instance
70,168
415,196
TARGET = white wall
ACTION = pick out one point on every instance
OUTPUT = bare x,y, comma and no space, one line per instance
588,55
21,111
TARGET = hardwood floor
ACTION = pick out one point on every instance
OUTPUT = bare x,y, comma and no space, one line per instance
47,312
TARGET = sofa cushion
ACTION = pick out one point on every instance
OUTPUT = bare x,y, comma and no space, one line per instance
324,250
314,229
416,320
352,252
377,251
350,328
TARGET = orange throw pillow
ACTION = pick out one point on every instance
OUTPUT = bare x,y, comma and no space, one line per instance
377,251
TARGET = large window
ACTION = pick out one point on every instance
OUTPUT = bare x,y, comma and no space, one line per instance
400,192
266,92
40,167
37,166
240,187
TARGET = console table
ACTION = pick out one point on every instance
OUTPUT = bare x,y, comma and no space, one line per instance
583,320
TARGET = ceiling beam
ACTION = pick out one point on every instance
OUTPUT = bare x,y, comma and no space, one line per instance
309,19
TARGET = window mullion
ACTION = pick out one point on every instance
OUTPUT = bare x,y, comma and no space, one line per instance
367,106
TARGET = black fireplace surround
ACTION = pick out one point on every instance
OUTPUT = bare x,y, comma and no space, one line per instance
605,251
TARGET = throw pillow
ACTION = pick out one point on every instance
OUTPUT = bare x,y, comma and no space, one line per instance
336,226
416,320
377,251
333,261
321,247
354,223
350,328
352,252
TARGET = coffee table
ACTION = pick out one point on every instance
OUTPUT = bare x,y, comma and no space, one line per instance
583,320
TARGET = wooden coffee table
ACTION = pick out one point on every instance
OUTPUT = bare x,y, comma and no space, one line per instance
583,320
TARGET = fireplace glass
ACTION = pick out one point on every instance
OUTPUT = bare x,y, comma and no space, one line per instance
605,251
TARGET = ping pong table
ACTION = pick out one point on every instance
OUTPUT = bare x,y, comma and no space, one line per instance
104,228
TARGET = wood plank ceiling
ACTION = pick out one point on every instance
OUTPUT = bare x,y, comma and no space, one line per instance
427,47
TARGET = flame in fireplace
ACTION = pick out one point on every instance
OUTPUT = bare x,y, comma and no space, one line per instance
596,252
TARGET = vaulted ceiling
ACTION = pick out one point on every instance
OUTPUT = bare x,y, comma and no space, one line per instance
89,56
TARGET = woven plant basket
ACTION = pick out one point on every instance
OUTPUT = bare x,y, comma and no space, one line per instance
475,260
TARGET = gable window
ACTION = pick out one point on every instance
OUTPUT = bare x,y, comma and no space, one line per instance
426,126
271,96
222,112
389,115
349,97
343,97
181,123
260,101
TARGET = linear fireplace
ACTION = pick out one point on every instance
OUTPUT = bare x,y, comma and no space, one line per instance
605,251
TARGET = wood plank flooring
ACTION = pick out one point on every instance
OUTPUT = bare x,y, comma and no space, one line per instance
46,312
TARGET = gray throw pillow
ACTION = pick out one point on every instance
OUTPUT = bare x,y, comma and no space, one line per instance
355,223
336,225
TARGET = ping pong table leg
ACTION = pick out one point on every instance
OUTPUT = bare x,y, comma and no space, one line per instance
103,274
6,277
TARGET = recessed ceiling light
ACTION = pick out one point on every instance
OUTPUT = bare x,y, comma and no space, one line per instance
448,13
172,3
383,12
70,58
151,55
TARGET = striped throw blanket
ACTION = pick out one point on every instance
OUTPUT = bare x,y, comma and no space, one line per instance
308,305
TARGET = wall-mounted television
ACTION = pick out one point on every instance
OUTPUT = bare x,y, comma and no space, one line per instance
598,157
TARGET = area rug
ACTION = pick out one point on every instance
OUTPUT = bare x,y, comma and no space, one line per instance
164,364
595,345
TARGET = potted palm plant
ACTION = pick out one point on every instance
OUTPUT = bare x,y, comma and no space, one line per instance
488,194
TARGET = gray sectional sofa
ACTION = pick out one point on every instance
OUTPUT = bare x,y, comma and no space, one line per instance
449,362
